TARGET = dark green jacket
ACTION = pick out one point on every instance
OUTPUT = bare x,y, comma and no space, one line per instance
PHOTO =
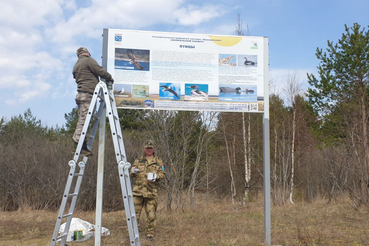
87,71
141,186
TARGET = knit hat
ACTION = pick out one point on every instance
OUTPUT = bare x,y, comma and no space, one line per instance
82,50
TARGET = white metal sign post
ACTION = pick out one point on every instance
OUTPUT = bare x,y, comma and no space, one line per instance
266,145
100,180
100,169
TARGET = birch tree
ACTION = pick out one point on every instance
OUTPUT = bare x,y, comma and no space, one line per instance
246,136
230,159
292,90
247,154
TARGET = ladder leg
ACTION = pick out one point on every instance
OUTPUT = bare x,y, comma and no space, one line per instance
55,237
123,167
90,116
128,203
74,197
66,196
108,102
72,174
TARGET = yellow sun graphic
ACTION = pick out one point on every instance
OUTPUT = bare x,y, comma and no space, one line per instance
225,41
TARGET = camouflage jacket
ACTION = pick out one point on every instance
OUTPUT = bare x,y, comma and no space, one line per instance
141,186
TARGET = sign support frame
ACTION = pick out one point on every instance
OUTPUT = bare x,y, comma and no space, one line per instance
266,148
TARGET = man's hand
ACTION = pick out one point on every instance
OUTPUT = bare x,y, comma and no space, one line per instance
110,83
135,170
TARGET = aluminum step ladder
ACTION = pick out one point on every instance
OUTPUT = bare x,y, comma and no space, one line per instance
103,99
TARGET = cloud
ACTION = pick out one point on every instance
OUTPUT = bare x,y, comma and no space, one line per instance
26,65
38,39
88,22
19,71
22,15
278,80
38,89
223,29
194,15
69,5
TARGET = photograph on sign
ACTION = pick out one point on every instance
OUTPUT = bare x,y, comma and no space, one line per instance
197,92
182,71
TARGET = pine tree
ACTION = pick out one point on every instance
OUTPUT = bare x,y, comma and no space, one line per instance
341,90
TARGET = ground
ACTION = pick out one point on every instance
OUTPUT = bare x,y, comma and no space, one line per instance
209,223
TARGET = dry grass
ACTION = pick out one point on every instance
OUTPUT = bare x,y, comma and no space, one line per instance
210,223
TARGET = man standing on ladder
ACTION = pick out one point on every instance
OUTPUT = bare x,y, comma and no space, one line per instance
86,71
146,171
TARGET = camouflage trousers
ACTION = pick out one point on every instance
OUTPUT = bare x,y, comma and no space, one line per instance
150,205
83,101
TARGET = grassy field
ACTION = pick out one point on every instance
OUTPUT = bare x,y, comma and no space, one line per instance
210,223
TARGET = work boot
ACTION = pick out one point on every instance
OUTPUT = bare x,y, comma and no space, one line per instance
84,151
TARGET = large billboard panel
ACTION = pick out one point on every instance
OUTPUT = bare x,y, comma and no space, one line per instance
183,71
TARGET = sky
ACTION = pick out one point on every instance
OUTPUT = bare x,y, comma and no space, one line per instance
38,39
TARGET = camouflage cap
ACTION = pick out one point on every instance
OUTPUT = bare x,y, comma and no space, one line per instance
149,144
82,50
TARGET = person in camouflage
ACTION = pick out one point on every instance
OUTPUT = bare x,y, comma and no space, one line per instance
146,171
86,72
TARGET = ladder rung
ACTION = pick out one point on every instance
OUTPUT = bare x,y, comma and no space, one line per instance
78,174
61,236
73,194
67,215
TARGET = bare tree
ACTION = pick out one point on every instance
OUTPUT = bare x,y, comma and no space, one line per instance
233,182
239,26
292,90
182,138
203,138
247,154
246,137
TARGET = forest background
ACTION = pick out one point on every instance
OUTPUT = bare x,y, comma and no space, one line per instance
318,144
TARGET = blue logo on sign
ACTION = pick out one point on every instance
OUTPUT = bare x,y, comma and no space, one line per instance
148,103
118,38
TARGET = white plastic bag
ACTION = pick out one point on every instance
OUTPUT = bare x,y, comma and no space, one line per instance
152,177
87,228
